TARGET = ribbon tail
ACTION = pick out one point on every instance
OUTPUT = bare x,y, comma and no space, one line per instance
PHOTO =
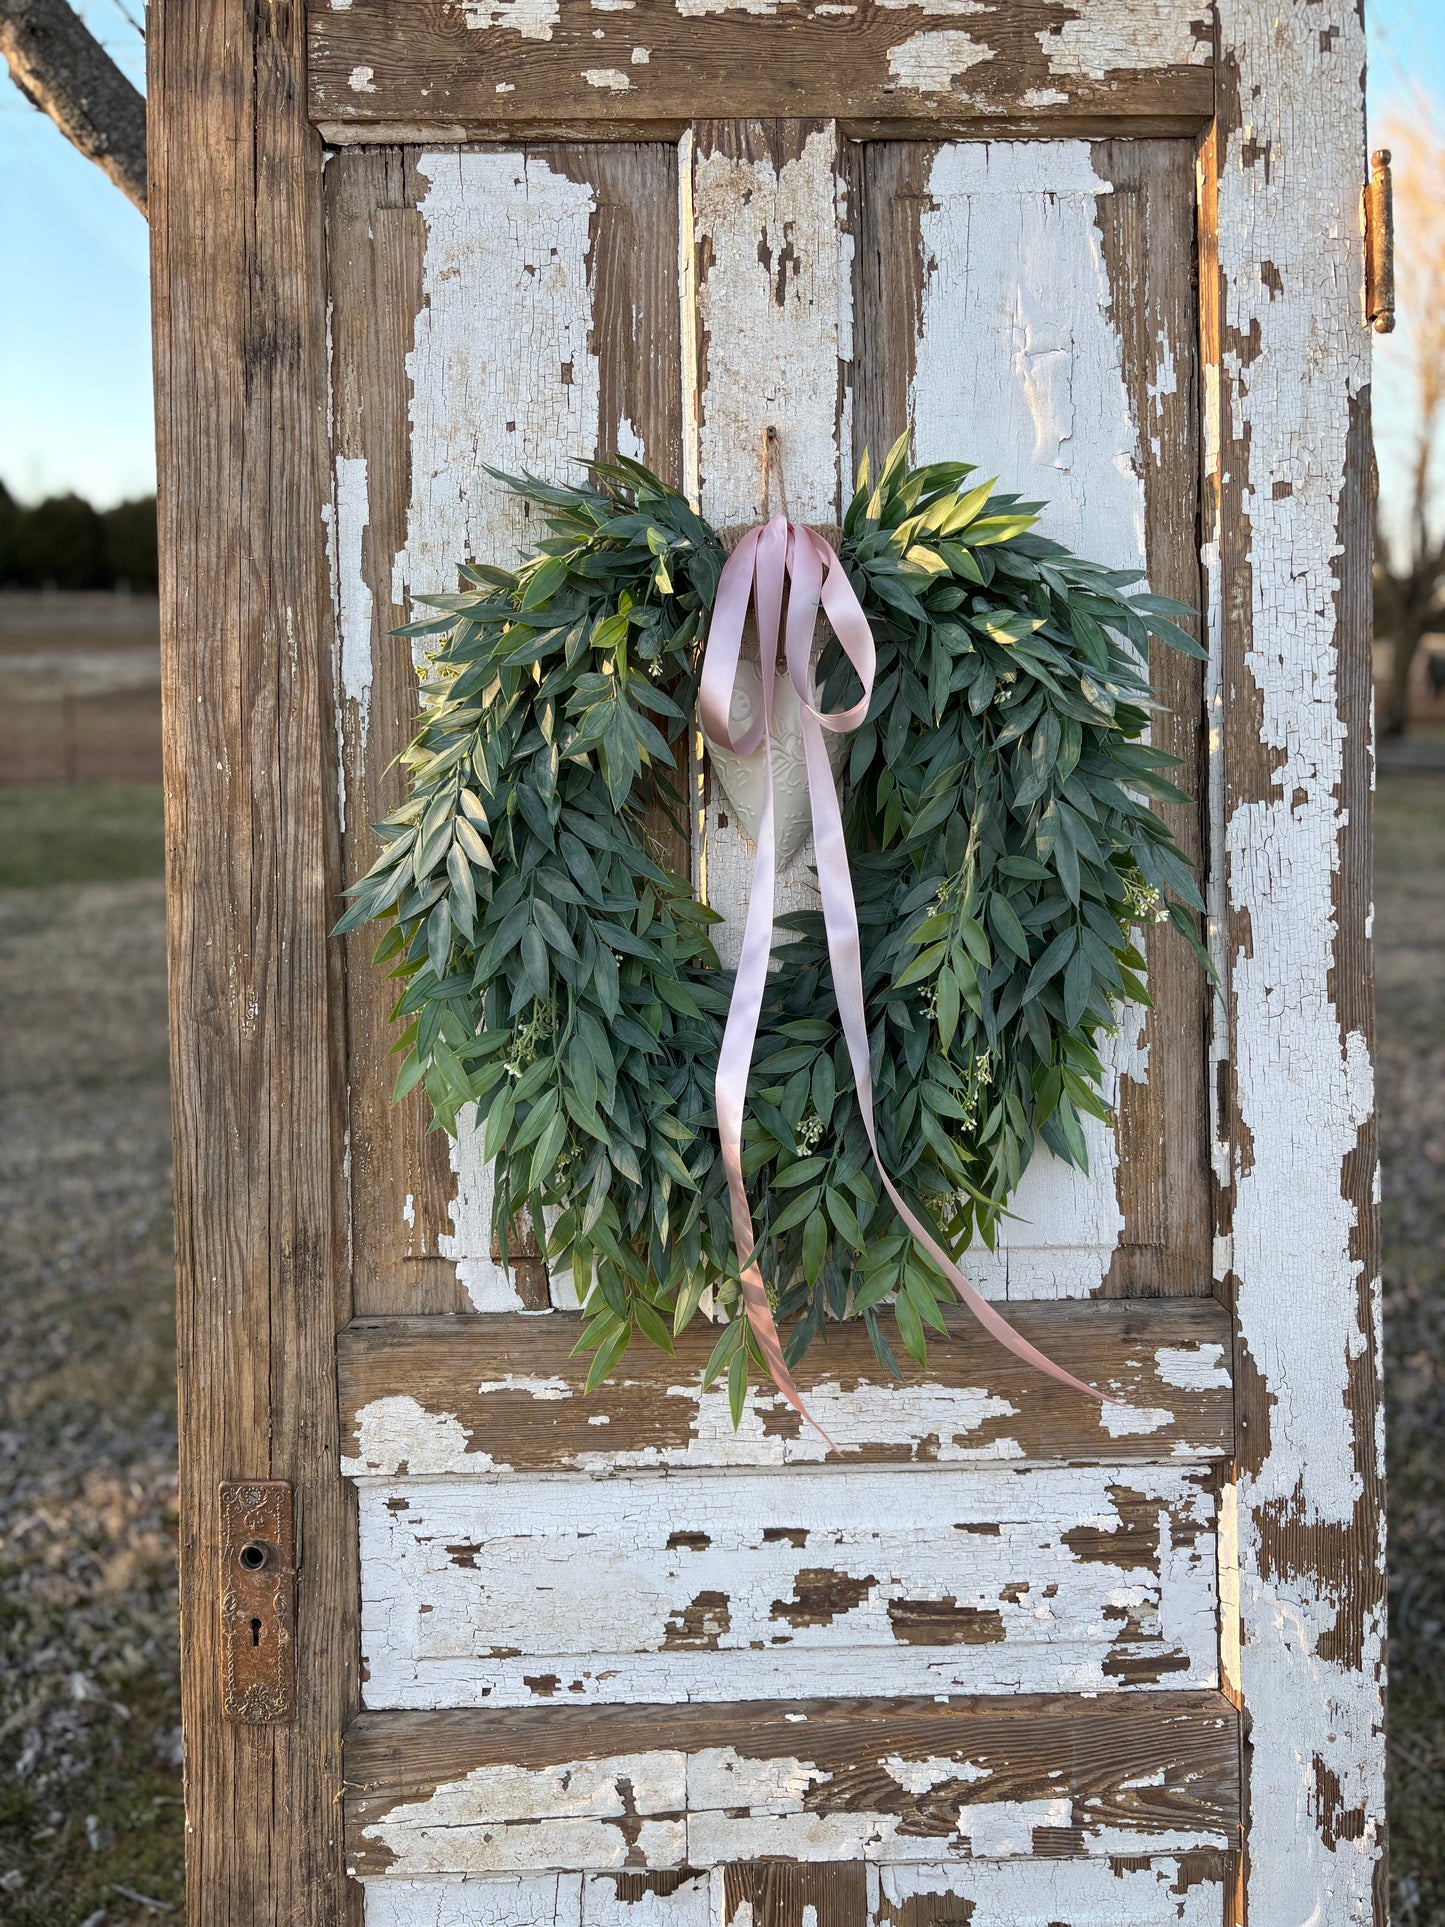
741,1030
840,920
765,1331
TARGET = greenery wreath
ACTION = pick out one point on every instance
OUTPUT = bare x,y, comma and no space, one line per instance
558,976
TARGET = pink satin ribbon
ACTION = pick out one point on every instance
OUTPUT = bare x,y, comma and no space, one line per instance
767,560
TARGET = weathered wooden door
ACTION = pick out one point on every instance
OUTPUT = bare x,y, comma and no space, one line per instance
561,1660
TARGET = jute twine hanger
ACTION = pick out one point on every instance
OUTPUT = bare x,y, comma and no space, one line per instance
774,494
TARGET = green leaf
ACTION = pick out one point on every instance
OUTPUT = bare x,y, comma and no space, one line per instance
1006,926
608,1356
464,892
815,1246
738,1385
910,1327
946,1013
802,1172
545,1155
795,1211
845,1220
722,1351
554,932
652,1327
925,964
469,839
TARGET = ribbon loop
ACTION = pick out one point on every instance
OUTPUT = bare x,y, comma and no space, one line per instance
778,559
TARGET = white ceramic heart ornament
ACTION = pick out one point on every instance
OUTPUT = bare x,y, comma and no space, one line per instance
741,777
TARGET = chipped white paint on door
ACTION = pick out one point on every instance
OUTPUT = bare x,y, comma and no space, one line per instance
510,1592
503,375
1019,366
705,1807
1162,1891
541,1900
1290,443
773,326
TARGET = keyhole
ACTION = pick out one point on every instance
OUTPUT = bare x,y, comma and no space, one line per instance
255,1632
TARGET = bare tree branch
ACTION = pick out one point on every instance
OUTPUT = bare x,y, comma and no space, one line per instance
59,65
1410,544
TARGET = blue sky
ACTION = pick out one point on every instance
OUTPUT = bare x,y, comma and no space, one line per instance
75,381
75,399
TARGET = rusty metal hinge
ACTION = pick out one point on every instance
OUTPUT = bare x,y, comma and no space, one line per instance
1380,245
258,1601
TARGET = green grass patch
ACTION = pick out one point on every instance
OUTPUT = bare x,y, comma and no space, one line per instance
79,833
137,1839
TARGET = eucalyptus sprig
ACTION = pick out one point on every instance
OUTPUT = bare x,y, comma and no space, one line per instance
559,977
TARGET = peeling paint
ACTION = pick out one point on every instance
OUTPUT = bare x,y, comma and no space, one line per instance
1019,362
1194,1369
773,312
923,1776
692,1590
1124,1421
1295,357
353,591
507,306
1043,1893
930,62
397,1430
539,1388
1126,36
532,19
997,1829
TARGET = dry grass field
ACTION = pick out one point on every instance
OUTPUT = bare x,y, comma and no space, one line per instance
90,1820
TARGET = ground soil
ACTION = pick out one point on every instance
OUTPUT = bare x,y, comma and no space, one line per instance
89,1776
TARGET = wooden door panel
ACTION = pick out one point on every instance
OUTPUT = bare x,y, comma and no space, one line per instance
459,1397
1031,306
884,1783
511,310
770,346
517,1593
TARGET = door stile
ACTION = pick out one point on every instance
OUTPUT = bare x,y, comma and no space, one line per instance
252,875
768,333
1302,1264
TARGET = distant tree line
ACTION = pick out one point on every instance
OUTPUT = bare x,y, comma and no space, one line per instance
65,543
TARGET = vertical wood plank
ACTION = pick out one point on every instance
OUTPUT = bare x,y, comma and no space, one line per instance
772,347
1031,306
1147,237
779,1893
516,310
772,292
401,1179
252,870
1292,447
